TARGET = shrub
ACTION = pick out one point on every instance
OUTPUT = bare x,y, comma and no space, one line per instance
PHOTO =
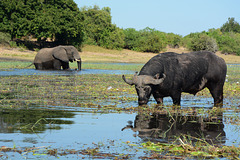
131,36
228,42
5,38
231,26
99,30
173,40
146,40
112,38
200,41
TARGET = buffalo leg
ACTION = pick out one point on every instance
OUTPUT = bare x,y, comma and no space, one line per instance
176,99
216,91
158,98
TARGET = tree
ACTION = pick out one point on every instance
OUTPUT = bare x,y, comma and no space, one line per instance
99,30
174,40
146,40
96,21
59,20
14,18
228,42
131,37
200,41
231,26
112,38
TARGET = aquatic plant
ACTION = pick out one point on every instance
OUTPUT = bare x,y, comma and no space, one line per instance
187,148
38,95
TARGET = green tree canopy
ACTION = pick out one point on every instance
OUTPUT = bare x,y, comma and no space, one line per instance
14,17
200,41
231,26
146,40
59,20
99,30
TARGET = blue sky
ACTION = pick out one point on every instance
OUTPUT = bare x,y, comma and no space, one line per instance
177,16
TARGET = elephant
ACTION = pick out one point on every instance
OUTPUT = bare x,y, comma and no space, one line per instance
57,58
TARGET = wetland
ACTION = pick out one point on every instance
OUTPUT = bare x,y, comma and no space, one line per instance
93,114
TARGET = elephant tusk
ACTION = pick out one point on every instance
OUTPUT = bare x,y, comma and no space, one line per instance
78,60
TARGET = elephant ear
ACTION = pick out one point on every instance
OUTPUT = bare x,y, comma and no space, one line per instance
61,54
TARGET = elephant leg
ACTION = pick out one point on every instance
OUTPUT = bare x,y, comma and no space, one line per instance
65,65
38,66
57,65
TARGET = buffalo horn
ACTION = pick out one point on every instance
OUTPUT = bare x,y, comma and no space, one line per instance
128,81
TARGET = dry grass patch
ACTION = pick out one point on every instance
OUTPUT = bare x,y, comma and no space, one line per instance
99,54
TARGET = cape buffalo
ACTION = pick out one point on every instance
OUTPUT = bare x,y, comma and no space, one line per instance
167,126
169,74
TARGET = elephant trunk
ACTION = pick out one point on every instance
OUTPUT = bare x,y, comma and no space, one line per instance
79,64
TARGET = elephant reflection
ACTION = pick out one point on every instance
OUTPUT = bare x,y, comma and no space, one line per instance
165,127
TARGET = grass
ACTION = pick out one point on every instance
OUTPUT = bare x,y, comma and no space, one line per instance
186,148
92,89
4,65
113,66
92,93
61,90
99,54
108,93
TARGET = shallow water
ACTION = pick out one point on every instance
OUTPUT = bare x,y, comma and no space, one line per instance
71,128
24,72
81,130
86,130
76,128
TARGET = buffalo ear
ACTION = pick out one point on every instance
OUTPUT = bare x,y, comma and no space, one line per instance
156,80
60,54
157,76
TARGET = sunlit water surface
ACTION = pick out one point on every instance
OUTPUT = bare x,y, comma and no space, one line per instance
80,129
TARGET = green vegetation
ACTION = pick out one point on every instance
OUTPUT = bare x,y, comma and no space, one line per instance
54,90
230,26
4,39
146,40
228,42
99,30
62,22
113,66
199,41
104,93
188,149
34,121
226,39
4,65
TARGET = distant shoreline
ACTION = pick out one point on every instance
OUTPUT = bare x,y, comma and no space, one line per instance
99,54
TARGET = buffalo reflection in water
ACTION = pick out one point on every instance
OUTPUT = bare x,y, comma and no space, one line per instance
165,127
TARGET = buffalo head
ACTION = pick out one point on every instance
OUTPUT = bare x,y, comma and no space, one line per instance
143,85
